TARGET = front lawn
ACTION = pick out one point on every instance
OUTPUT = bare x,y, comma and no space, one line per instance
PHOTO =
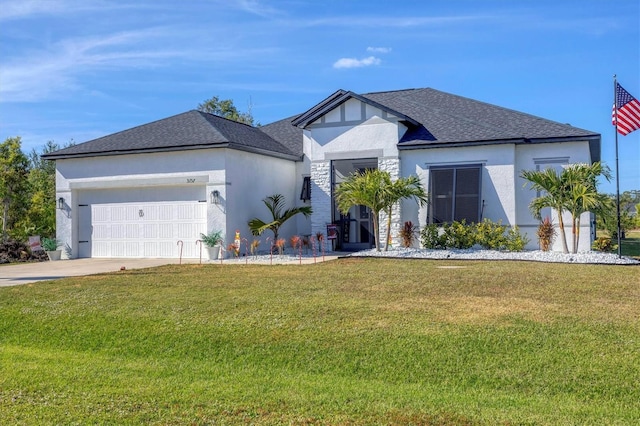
353,341
630,246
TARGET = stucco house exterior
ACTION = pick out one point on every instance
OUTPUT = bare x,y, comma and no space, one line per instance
138,192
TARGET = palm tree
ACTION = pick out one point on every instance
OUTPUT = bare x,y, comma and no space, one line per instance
554,196
374,189
409,187
573,190
275,204
365,188
584,196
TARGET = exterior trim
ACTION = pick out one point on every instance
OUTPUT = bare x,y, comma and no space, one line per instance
352,155
338,99
284,156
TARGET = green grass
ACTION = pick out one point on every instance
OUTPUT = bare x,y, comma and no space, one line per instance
630,246
355,341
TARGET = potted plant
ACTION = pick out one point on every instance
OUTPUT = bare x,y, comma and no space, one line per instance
50,245
213,241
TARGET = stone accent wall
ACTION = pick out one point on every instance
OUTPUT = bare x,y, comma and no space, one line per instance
391,165
321,198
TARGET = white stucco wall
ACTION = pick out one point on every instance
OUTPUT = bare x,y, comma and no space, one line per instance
174,176
251,178
503,193
545,155
351,131
242,179
497,177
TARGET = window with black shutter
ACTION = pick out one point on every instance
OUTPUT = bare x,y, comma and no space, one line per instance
305,193
455,194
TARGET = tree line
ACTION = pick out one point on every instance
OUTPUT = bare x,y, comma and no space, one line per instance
27,190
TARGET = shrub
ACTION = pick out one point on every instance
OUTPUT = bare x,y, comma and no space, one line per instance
546,234
603,244
50,244
430,237
294,241
459,235
254,246
491,235
408,234
212,239
514,240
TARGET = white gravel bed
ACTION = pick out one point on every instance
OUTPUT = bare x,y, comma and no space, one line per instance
475,254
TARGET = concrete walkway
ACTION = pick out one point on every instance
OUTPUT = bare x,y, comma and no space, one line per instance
23,273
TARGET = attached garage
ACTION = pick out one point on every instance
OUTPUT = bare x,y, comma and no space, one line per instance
140,220
151,190
151,229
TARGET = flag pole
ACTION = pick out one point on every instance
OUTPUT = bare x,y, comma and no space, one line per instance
615,112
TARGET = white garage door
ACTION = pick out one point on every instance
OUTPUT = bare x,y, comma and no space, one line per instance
150,229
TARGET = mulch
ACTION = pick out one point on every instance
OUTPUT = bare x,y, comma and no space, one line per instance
12,251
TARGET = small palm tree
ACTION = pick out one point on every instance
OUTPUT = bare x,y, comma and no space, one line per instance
365,188
584,196
550,182
573,190
275,204
374,189
409,187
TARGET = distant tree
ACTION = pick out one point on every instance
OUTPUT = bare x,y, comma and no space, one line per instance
275,204
225,108
40,217
14,168
608,220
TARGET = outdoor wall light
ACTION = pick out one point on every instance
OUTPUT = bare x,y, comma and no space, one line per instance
60,203
215,197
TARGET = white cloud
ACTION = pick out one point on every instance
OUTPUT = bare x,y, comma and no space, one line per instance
15,10
37,74
23,9
257,7
356,63
379,49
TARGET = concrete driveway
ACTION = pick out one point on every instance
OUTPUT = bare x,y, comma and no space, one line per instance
23,273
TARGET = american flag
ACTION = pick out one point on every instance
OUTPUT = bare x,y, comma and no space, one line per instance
628,112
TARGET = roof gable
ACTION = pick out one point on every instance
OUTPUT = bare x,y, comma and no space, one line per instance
338,98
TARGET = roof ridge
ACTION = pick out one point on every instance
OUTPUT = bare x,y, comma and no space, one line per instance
392,91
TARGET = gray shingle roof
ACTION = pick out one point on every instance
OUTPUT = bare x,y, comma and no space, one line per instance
433,118
189,130
286,133
448,119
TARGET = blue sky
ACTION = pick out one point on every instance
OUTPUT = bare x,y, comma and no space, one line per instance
77,70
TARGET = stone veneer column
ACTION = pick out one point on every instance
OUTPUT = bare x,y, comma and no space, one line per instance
321,198
391,165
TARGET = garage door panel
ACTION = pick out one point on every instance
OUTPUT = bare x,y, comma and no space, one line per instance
165,230
100,249
101,231
150,231
146,229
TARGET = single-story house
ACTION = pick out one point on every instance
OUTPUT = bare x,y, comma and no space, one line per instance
151,190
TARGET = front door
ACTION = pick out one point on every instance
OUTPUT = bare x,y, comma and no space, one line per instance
355,229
